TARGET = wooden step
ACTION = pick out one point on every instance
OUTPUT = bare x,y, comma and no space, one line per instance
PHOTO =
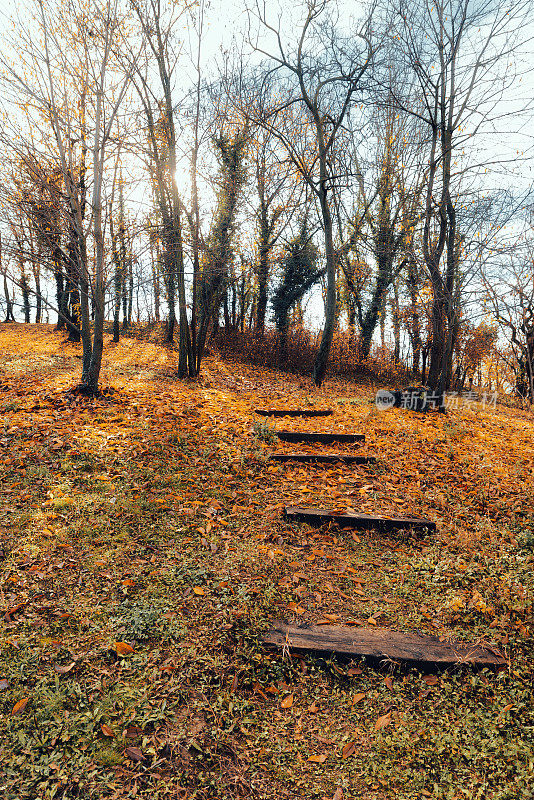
321,458
323,438
294,412
381,643
353,519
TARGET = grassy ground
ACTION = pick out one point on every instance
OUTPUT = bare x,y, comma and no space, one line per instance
143,553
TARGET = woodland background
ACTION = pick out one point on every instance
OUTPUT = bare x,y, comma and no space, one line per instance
329,184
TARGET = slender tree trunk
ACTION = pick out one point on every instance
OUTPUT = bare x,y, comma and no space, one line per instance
25,290
95,363
130,289
38,297
9,303
155,282
263,271
321,360
117,278
415,322
396,319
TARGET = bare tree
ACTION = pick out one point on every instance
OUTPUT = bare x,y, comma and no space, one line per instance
508,285
462,56
66,75
303,95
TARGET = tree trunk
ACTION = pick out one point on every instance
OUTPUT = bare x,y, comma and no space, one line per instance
263,271
25,289
321,360
95,362
396,319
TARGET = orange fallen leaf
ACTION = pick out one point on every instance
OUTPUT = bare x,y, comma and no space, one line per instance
383,722
430,680
358,697
287,702
318,759
349,749
198,590
123,649
106,730
20,706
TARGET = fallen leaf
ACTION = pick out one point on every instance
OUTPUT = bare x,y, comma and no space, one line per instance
106,730
135,754
258,690
287,702
4,683
318,759
123,649
338,794
507,708
389,682
62,669
313,708
358,697
132,731
430,680
198,590
20,706
383,722
295,608
349,749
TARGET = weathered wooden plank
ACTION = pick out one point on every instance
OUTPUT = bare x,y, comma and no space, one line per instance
321,458
353,519
293,412
323,438
382,643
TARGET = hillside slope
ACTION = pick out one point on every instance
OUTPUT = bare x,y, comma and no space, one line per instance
144,551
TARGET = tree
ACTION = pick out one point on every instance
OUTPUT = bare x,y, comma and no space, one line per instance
274,211
160,47
7,296
65,75
318,76
508,285
461,54
384,220
218,255
299,274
